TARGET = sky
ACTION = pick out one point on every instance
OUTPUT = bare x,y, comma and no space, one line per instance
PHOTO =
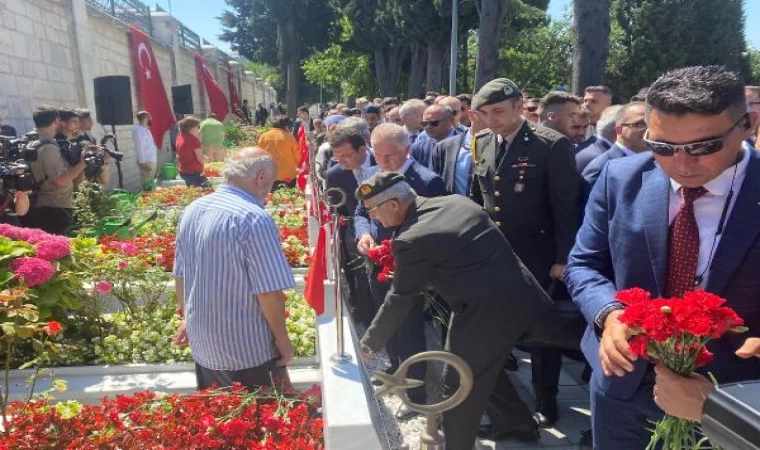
203,19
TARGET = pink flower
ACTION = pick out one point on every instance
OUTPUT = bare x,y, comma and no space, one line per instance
32,271
103,287
53,249
160,258
129,249
123,264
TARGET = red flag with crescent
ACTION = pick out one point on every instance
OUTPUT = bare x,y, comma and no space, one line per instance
150,86
216,97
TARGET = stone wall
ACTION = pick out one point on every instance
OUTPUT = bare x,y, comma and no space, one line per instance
50,51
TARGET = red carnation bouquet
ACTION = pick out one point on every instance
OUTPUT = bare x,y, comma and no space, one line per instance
379,256
675,332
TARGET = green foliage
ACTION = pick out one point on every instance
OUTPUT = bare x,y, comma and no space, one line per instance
335,66
539,59
654,36
233,135
268,73
753,58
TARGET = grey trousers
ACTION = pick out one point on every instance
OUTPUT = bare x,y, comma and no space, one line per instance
267,374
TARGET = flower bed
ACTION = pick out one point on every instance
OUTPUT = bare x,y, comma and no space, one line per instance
221,419
173,196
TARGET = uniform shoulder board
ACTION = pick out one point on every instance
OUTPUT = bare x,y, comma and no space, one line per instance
483,132
548,133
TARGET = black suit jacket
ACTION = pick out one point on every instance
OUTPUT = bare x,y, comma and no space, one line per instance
532,194
338,177
444,160
451,244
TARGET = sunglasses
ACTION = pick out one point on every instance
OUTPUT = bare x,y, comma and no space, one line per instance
531,108
432,123
641,125
701,148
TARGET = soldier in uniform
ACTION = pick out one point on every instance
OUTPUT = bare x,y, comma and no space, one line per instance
525,177
450,243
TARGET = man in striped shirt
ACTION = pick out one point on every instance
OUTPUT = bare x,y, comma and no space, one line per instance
230,274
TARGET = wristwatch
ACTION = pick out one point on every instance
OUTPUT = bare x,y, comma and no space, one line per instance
601,317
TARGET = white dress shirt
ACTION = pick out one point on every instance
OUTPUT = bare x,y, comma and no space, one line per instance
145,148
360,173
708,209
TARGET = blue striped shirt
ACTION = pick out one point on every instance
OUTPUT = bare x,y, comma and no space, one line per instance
228,251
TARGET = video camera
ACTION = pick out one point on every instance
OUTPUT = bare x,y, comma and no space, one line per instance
15,173
82,150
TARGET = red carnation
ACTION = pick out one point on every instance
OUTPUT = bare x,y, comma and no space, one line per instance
53,328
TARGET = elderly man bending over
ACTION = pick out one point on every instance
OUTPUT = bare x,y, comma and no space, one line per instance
230,275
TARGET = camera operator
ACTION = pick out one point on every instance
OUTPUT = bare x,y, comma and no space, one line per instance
84,135
56,169
68,126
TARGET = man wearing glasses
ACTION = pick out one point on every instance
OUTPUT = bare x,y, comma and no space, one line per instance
438,122
630,126
686,216
530,109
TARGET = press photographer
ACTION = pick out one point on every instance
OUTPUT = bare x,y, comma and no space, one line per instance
56,170
85,127
16,181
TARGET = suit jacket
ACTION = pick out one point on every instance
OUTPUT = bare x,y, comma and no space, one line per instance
423,181
594,168
423,149
444,160
532,194
338,177
623,243
450,243
587,153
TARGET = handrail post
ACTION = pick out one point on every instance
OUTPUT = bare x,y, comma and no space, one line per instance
341,356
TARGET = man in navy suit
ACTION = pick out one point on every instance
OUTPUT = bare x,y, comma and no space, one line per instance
686,216
601,141
630,126
391,145
354,162
438,121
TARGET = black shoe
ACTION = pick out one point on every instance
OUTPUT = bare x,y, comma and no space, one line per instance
546,413
511,363
404,413
528,433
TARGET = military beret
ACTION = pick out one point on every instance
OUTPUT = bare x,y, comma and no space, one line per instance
495,91
371,109
377,183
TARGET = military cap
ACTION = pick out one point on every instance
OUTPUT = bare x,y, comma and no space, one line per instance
372,109
495,91
377,183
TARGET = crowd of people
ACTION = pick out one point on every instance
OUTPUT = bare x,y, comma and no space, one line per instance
534,165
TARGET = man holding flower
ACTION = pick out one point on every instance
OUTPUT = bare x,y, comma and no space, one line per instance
686,216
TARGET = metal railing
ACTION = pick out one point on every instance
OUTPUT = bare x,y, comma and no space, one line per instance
133,12
188,38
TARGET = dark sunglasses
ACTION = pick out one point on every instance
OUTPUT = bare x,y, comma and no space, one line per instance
531,108
701,148
432,123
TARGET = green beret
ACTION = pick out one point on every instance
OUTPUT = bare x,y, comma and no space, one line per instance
377,183
495,91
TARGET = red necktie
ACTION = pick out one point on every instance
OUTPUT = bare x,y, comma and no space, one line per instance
684,245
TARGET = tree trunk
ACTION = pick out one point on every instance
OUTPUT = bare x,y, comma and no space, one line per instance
417,71
492,14
591,20
436,51
290,53
388,69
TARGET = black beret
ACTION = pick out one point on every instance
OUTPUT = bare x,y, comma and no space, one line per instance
495,91
372,109
377,183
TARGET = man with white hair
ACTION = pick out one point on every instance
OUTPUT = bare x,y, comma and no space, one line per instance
438,121
230,274
411,115
599,142
391,146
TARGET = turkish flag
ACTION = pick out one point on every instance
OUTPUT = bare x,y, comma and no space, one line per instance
216,97
314,291
303,146
234,96
150,86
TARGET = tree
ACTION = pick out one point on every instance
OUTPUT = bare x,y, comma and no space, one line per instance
591,20
289,29
654,36
754,65
335,68
492,14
